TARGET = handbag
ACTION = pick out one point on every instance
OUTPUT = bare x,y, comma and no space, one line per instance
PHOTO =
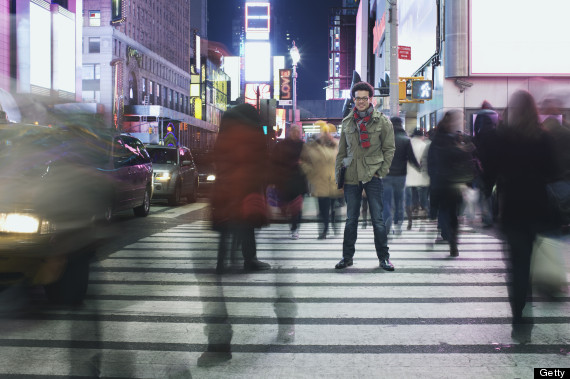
341,174
254,210
559,199
548,269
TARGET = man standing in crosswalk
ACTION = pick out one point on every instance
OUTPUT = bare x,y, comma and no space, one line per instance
366,150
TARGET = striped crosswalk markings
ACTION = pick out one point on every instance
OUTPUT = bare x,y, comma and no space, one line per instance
155,306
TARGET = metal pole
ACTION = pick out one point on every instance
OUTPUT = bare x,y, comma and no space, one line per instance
294,95
394,74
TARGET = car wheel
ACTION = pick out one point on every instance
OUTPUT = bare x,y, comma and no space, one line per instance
192,195
175,198
142,210
71,287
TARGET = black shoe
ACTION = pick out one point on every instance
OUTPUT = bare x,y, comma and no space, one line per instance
256,265
453,251
322,236
386,265
220,269
213,358
344,263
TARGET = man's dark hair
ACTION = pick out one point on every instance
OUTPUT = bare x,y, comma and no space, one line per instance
362,86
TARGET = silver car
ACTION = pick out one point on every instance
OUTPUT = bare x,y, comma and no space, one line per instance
175,173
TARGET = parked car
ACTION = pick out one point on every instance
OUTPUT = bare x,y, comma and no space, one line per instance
131,176
175,174
51,192
206,173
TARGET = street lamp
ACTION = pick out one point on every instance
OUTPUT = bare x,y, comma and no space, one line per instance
296,57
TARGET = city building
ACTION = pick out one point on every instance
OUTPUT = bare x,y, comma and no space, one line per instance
342,34
40,59
138,58
469,53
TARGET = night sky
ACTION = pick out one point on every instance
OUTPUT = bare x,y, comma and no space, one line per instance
307,20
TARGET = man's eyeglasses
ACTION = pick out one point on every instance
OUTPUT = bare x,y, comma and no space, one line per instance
361,98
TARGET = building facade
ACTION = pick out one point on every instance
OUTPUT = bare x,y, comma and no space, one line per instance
40,63
137,63
470,53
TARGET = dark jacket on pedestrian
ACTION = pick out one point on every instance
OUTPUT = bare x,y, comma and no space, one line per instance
486,144
286,172
240,158
404,152
526,163
450,160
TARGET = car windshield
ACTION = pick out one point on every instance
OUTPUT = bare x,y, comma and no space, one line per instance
162,156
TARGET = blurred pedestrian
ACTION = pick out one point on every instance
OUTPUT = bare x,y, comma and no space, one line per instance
485,140
450,165
525,164
318,162
289,180
366,150
395,181
417,182
240,158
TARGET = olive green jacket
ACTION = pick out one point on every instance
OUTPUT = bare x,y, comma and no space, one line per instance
363,163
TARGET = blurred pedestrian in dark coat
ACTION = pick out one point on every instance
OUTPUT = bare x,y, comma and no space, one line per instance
395,181
240,158
525,164
450,165
288,177
485,140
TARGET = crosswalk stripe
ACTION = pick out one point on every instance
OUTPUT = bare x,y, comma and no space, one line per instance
159,296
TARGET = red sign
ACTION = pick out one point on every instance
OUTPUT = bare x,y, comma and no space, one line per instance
378,32
405,52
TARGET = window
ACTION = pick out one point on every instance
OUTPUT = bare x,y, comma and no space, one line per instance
94,18
91,71
150,87
94,44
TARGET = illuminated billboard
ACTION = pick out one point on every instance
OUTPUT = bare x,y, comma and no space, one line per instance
251,90
231,67
417,21
524,40
257,21
257,61
64,53
285,84
117,11
40,46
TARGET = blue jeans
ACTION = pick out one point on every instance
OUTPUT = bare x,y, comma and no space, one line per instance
394,190
353,197
422,197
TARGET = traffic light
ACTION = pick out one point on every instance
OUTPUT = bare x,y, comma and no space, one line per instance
422,89
402,90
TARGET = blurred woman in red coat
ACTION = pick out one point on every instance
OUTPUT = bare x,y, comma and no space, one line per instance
240,158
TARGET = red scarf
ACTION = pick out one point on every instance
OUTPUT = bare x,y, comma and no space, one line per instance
361,123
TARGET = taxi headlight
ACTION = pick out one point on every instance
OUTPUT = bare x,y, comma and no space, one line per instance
19,223
211,178
162,176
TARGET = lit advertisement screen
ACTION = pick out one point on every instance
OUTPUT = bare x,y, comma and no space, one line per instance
257,61
116,10
251,92
417,20
40,46
64,53
523,39
232,69
278,64
257,21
